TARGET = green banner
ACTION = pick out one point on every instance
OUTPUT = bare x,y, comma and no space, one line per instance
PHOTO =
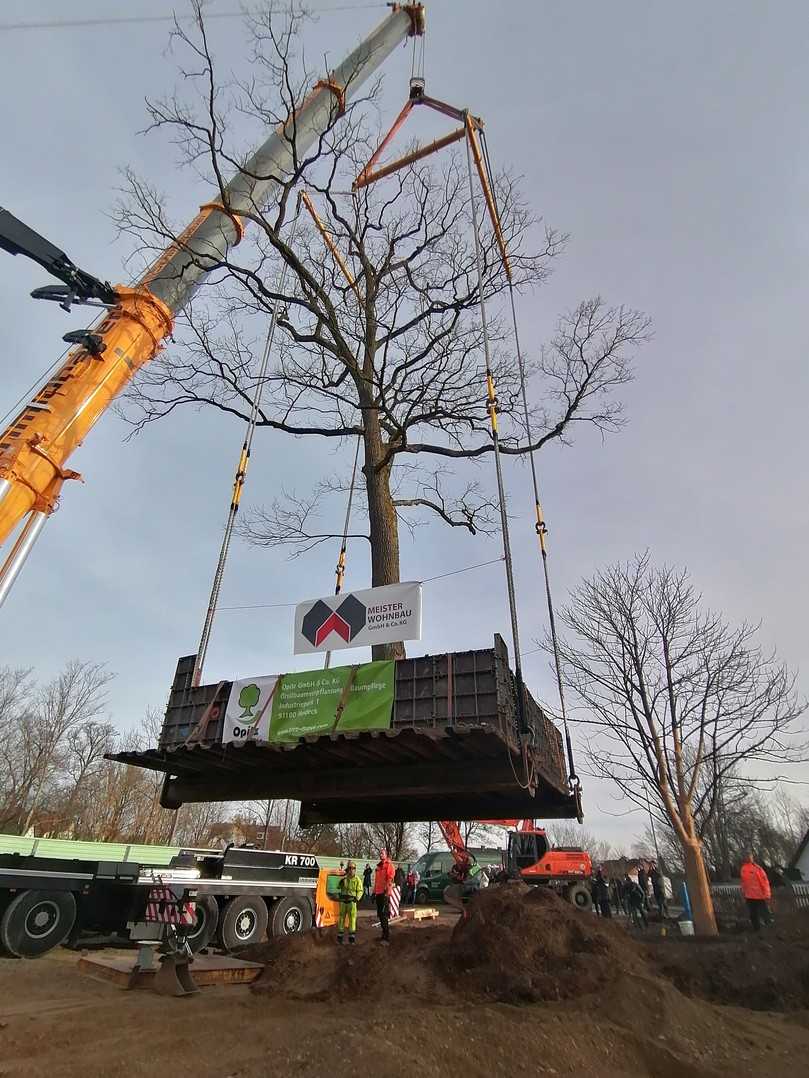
322,701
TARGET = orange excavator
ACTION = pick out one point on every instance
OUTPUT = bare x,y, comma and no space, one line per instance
529,857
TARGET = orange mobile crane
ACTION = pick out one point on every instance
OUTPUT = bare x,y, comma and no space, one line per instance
137,319
528,857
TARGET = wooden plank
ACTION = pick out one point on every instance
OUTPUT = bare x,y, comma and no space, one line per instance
205,969
419,913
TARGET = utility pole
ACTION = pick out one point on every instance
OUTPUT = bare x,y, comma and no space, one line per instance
652,824
722,832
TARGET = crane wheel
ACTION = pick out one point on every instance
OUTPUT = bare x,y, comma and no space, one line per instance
290,915
243,921
35,922
578,895
205,925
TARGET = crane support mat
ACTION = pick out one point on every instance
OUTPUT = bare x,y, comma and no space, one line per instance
451,749
206,970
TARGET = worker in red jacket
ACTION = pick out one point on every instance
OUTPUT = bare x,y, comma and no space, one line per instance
756,890
383,885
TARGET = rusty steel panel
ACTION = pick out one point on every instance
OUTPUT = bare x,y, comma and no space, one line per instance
453,749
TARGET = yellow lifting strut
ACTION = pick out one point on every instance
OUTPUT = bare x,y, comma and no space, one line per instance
239,480
491,407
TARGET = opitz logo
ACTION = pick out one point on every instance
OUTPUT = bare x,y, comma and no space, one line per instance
347,620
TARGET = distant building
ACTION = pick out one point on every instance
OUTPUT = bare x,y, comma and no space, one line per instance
240,833
800,860
617,867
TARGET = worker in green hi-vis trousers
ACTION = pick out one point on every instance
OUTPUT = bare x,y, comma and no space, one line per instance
349,890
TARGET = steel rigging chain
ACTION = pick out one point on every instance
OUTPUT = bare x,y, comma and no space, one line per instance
241,473
540,526
341,560
491,406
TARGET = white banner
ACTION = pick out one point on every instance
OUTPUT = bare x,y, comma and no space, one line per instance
358,618
247,716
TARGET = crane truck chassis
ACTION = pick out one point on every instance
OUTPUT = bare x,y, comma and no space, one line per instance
239,895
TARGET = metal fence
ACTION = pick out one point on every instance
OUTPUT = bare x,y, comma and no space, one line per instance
728,897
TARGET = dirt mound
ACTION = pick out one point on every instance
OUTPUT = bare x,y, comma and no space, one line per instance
526,945
521,943
518,944
768,971
313,967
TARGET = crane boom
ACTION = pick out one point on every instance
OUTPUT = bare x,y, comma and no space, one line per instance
35,447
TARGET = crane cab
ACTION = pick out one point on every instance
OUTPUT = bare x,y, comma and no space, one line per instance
531,857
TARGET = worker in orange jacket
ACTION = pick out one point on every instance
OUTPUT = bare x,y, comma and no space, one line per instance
383,885
756,890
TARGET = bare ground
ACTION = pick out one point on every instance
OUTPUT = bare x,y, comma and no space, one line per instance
446,1001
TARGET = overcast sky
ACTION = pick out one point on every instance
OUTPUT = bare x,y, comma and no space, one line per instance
669,140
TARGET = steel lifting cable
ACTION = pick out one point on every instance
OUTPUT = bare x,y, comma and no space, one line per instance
240,477
341,560
540,526
491,407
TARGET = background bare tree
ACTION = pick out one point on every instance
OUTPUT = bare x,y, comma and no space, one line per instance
428,836
395,359
769,822
676,700
48,730
571,834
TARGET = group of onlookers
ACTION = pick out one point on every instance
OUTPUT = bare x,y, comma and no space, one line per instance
631,894
406,881
642,887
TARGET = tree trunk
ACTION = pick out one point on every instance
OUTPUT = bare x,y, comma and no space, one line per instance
699,890
384,524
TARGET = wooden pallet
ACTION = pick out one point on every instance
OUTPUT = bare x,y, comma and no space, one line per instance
419,913
205,969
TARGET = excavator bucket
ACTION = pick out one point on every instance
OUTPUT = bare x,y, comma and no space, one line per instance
173,978
448,741
454,897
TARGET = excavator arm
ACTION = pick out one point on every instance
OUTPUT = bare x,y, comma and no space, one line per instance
462,858
529,858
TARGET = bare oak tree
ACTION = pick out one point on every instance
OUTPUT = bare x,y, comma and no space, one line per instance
46,729
676,700
394,358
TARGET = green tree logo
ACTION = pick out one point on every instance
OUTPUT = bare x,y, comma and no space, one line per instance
248,699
